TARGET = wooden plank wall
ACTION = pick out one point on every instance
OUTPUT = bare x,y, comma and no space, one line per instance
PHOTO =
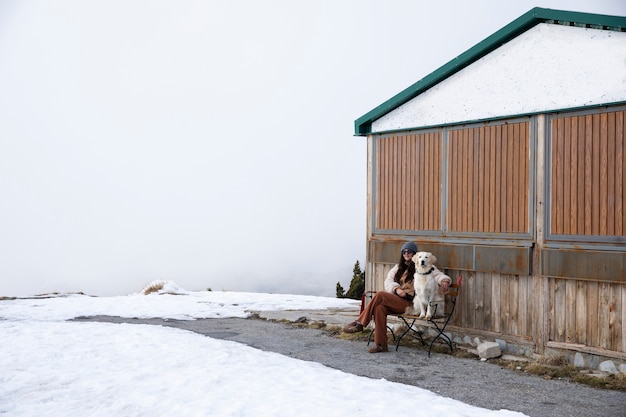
409,168
588,313
488,177
580,312
488,191
588,179
377,277
497,303
487,302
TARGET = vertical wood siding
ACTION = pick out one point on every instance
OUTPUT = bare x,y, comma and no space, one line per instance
497,303
580,312
376,279
488,191
409,168
588,180
587,313
488,179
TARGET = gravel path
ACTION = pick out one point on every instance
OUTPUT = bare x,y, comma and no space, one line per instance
473,382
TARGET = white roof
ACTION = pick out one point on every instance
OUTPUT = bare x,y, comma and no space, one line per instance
549,67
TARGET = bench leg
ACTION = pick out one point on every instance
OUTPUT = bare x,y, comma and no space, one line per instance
441,335
411,332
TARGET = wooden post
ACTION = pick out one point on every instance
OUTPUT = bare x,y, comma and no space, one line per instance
541,313
370,270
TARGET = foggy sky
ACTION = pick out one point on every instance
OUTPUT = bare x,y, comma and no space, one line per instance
205,142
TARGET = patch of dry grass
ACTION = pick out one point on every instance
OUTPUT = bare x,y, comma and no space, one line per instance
559,368
154,286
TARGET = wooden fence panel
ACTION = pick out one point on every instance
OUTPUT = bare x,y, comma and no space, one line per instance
409,168
489,181
588,181
587,313
497,303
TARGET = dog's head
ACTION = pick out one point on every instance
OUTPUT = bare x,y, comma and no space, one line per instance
424,261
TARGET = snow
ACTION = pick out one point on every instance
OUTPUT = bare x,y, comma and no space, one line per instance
52,367
549,67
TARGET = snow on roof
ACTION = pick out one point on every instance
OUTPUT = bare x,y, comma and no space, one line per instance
545,60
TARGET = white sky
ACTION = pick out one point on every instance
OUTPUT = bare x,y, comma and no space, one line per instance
56,368
202,141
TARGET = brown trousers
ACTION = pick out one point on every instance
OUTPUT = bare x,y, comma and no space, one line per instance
382,304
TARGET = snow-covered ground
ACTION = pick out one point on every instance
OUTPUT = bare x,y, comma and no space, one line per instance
51,367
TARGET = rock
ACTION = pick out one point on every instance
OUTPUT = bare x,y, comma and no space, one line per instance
579,360
489,350
608,366
502,344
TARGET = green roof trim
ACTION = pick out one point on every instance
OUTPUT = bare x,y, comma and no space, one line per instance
363,125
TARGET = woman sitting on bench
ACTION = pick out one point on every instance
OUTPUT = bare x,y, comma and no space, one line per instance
398,295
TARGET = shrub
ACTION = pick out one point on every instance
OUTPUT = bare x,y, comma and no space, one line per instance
357,285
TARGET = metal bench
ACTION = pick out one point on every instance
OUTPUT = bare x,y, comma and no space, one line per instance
439,322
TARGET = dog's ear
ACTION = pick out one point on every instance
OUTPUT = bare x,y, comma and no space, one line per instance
433,259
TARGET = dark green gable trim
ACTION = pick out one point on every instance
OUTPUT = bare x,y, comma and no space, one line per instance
363,125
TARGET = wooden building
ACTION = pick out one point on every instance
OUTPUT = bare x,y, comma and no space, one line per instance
508,163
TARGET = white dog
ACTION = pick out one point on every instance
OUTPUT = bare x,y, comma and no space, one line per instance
425,284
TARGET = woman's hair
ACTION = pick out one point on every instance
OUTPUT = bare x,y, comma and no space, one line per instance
405,266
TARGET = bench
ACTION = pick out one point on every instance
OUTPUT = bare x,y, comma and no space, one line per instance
439,322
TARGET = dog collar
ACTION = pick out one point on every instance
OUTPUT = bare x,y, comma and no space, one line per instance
431,270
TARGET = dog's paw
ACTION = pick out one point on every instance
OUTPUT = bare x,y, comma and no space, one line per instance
429,316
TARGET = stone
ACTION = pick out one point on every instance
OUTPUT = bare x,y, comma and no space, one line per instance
579,360
502,344
489,350
622,368
608,366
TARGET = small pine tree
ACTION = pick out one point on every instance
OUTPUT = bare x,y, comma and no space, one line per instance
357,285
340,292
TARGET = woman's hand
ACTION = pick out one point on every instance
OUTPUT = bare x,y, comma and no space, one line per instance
445,286
400,292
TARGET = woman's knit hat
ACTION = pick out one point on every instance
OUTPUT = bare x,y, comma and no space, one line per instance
409,246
